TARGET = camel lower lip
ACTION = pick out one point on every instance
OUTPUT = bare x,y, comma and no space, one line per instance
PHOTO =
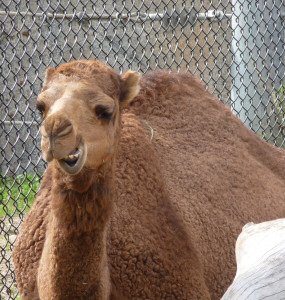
71,163
72,159
74,162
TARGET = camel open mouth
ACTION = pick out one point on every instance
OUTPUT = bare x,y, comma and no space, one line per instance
74,161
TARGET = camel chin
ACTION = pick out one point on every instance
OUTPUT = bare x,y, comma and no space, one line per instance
73,163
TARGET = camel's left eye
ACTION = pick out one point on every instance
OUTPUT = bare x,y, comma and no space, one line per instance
41,108
103,112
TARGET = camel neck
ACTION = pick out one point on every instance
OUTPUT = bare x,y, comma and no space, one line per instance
74,267
82,204
74,260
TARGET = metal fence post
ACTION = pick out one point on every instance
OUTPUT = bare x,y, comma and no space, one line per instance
258,64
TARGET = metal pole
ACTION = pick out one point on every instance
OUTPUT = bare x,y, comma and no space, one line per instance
258,61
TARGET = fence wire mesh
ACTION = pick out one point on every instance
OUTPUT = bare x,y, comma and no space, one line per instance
236,47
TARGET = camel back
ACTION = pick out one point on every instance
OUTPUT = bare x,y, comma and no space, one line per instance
218,174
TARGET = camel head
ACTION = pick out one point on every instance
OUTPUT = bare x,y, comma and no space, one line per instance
80,104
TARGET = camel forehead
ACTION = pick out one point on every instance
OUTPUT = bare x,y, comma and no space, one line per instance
74,89
64,95
57,88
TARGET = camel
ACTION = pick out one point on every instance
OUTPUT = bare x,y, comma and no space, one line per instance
150,180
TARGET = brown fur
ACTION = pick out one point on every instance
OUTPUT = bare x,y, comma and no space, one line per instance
164,224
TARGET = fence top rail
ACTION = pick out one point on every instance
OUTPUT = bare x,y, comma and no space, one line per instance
212,15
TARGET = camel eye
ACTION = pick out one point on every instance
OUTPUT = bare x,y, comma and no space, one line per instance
41,108
103,112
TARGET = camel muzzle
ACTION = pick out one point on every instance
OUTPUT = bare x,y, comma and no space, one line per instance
73,163
59,140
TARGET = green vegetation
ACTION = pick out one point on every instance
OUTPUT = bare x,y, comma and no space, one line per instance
14,292
279,97
276,136
17,194
9,292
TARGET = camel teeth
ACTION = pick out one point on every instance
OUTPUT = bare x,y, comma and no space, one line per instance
73,156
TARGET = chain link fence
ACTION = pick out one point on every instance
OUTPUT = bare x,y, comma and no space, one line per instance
236,47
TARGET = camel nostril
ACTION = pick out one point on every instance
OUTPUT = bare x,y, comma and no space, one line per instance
46,150
63,130
57,136
57,127
48,157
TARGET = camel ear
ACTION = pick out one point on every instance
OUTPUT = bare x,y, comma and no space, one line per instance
129,87
49,72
